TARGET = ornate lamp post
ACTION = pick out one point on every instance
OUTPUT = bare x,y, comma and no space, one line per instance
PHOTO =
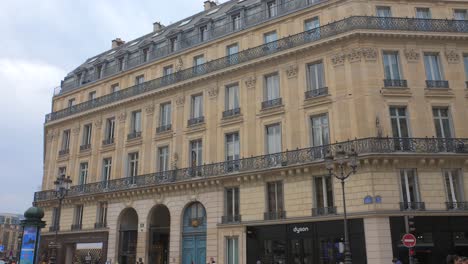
62,186
346,164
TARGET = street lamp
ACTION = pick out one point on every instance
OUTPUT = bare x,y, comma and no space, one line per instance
346,164
62,186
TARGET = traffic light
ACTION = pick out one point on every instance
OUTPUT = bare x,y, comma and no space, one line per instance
411,224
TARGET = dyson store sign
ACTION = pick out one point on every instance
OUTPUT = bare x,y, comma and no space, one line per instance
299,230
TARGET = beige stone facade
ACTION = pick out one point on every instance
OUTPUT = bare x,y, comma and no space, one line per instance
10,230
356,103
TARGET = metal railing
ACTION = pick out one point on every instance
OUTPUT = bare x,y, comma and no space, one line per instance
323,32
365,146
100,225
453,206
76,227
437,84
231,112
276,215
108,141
229,219
133,135
412,206
395,83
272,103
163,128
316,92
196,120
323,211
64,152
85,147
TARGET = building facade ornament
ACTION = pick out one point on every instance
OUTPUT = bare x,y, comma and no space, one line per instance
338,59
412,55
51,135
98,123
149,109
354,55
291,71
122,117
180,101
369,54
452,56
213,92
179,64
250,82
76,130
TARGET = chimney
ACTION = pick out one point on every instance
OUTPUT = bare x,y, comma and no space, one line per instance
157,26
209,4
117,43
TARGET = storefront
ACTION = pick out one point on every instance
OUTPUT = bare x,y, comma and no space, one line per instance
304,243
436,238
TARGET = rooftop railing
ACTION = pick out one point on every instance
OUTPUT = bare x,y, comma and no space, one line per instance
326,31
270,161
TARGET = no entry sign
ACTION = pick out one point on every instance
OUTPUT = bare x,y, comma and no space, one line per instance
409,240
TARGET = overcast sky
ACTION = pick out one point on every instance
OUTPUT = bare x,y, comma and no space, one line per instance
41,42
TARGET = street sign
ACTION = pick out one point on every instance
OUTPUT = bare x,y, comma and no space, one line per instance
409,240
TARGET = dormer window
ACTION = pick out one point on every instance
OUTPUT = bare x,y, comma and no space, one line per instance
236,22
120,62
173,43
203,33
99,71
145,54
272,8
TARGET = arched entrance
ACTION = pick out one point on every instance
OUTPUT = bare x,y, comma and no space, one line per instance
159,229
128,234
194,234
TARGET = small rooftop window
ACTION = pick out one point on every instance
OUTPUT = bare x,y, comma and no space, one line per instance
134,43
155,34
93,59
213,11
112,52
183,23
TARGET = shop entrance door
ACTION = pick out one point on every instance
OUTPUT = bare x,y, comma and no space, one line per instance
301,251
159,247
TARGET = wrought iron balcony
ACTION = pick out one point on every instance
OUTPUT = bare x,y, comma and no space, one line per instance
108,141
76,227
365,146
275,215
455,206
231,112
437,84
54,228
395,83
412,206
163,128
272,103
85,147
133,135
196,121
100,225
230,219
324,211
323,32
316,92
64,152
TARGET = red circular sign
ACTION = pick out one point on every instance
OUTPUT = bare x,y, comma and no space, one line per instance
409,240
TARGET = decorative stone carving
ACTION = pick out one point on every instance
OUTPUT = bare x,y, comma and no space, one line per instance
452,56
175,158
250,82
412,55
291,71
51,135
213,92
149,109
122,117
338,59
76,130
179,64
354,55
369,54
180,101
98,123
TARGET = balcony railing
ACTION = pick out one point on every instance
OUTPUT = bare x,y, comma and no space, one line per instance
365,146
231,112
64,152
54,228
100,225
412,206
133,135
276,215
163,128
323,32
85,147
196,121
454,206
395,83
323,211
437,84
229,219
272,103
108,141
316,92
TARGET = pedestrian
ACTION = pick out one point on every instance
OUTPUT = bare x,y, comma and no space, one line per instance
396,261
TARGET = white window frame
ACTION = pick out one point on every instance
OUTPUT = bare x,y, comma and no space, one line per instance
78,219
197,147
271,149
234,139
322,128
87,134
132,164
232,97
165,114
235,201
139,79
163,158
136,122
106,169
314,22
450,188
325,179
397,117
102,213
274,92
405,187
232,247
386,60
66,139
110,128
313,70
431,68
439,118
196,112
84,167
277,208
386,8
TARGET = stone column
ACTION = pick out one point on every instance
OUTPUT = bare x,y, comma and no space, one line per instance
378,240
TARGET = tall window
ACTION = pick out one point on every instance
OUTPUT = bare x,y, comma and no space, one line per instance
270,37
232,250
196,153
120,62
115,87
275,196
422,12
312,23
92,95
66,139
273,138
272,8
465,60
231,52
102,214
165,116
197,63
132,168
110,128
323,191
106,169
163,158
409,186
203,33
139,79
168,70
136,122
399,120
232,204
99,71
442,122
320,130
87,132
391,65
454,186
78,216
272,87
145,54
83,173
236,22
232,97
383,11
433,67
197,106
315,76
173,44
232,146
460,14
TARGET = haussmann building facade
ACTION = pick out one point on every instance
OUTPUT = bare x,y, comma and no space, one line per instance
205,140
